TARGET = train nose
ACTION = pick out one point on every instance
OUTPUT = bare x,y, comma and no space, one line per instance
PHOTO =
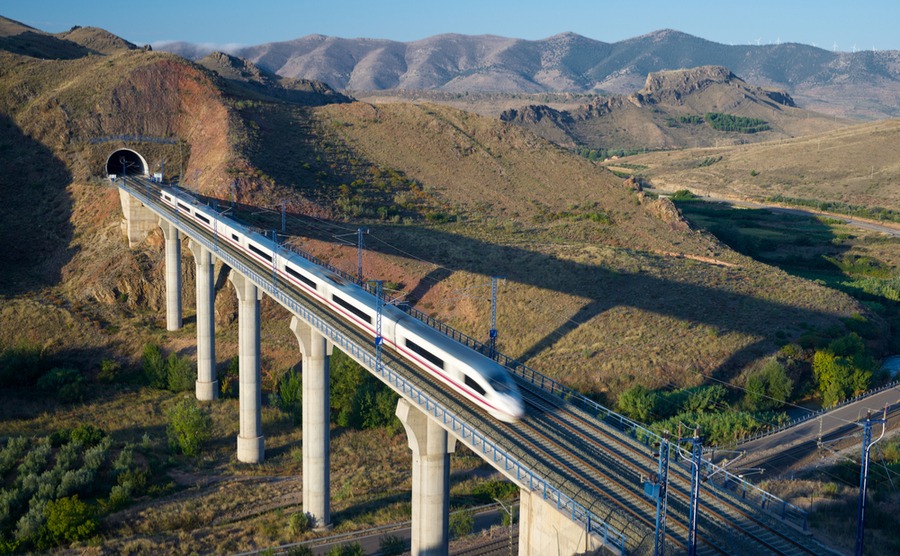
515,408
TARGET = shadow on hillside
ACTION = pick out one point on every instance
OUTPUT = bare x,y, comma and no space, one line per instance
723,310
35,231
799,244
39,45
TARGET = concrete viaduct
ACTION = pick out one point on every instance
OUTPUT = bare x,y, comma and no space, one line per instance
550,520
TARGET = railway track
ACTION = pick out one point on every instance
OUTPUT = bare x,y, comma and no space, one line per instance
721,517
595,467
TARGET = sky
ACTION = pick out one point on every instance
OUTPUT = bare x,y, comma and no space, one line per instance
843,26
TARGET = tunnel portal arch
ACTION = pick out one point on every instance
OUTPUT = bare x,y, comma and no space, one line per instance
128,160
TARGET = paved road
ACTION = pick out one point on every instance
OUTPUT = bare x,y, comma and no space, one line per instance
885,228
777,452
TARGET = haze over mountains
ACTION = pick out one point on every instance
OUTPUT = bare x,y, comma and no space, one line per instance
864,84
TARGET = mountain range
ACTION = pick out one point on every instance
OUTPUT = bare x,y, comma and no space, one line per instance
864,84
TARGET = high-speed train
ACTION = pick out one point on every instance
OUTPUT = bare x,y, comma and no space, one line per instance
472,375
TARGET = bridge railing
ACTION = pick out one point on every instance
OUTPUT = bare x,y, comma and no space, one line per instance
747,491
465,432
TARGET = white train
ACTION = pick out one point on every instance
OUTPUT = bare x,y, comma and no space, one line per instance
472,375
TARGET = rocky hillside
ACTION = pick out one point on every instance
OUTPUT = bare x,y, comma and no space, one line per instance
594,265
248,79
861,84
667,112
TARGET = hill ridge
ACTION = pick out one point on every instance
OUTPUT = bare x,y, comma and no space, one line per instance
832,82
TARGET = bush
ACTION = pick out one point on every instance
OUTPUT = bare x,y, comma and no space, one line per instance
110,369
509,518
188,428
290,395
87,435
639,403
352,549
769,388
68,384
69,520
21,365
154,366
358,398
495,490
180,373
462,523
840,377
389,545
299,523
229,378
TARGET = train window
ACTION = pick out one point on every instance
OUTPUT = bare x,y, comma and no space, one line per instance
183,206
167,197
430,357
470,382
235,237
290,270
355,310
259,252
201,218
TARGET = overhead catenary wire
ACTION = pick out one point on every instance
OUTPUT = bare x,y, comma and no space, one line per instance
461,293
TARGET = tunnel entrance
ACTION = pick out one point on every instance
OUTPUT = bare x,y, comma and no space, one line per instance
128,162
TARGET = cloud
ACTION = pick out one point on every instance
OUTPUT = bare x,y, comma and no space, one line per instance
195,50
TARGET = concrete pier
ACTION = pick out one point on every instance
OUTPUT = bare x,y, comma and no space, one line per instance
430,481
173,274
207,387
138,220
316,350
543,529
250,447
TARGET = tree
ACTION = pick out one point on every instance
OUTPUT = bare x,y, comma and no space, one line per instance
189,427
840,377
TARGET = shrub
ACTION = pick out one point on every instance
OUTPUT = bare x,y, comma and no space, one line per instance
299,523
10,454
188,428
69,520
68,384
495,490
155,366
180,373
229,378
769,388
705,399
390,545
352,549
840,377
462,523
87,435
21,365
639,403
290,395
301,550
109,370
509,518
